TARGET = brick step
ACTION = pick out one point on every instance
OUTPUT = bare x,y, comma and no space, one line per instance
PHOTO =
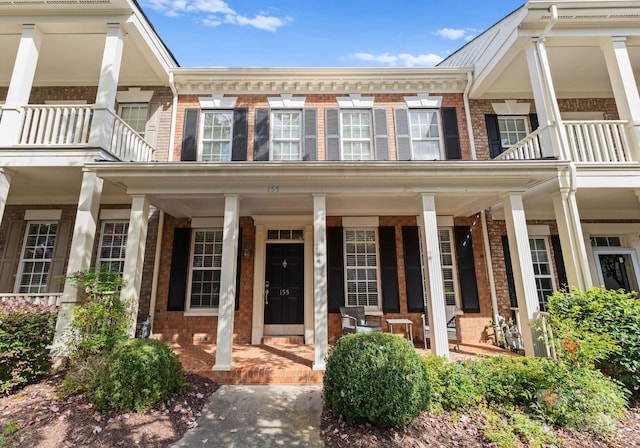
268,375
280,340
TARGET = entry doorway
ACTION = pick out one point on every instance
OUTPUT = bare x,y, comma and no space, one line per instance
284,289
617,268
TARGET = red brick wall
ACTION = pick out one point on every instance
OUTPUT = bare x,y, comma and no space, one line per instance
479,108
321,102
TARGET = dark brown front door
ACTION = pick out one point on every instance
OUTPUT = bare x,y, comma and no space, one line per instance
284,279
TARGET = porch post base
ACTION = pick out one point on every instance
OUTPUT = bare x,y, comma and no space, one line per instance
222,367
320,366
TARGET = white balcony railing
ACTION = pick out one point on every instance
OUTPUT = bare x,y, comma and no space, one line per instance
127,145
598,141
70,125
51,299
55,125
588,141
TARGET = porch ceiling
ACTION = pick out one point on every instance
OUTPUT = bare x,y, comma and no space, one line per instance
461,188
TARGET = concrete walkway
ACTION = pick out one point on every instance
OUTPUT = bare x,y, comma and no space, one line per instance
259,416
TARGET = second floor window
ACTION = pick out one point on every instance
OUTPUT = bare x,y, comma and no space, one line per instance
135,115
286,135
356,135
216,136
425,134
512,129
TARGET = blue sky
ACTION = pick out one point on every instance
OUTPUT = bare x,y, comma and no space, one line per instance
320,33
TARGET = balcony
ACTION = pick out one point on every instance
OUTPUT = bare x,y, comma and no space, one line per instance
52,126
597,141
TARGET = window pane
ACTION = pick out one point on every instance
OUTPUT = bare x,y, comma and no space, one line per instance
216,136
135,115
37,254
356,135
425,134
206,262
286,135
512,129
113,244
541,269
361,271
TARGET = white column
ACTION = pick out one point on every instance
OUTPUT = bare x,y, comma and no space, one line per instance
5,185
574,250
84,234
553,141
320,281
257,326
624,87
134,258
20,85
227,302
522,263
435,301
103,120
309,333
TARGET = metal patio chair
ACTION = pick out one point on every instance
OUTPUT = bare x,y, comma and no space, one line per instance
354,320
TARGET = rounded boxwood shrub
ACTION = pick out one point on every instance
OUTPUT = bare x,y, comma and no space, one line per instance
138,374
377,378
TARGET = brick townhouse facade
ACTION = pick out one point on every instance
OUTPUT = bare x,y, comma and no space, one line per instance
253,202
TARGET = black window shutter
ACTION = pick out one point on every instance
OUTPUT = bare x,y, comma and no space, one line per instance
559,260
332,130
381,134
466,270
240,132
451,135
179,269
261,139
413,269
189,150
403,137
493,134
238,268
533,121
335,268
310,134
58,263
11,254
389,270
513,298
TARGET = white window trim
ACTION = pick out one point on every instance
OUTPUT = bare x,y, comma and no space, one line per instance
371,137
440,131
136,104
134,95
615,250
217,101
286,101
527,127
378,280
423,101
17,285
200,311
552,272
99,259
200,147
271,133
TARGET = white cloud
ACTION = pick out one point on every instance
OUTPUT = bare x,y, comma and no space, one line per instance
213,11
408,60
455,34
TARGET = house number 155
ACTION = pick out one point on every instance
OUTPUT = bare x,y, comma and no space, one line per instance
284,292
273,189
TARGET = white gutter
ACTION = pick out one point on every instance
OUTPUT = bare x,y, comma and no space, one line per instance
489,266
174,116
467,113
156,270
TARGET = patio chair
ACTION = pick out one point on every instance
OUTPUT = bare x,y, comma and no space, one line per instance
354,320
452,332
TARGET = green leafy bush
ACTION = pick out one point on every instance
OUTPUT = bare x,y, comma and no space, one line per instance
139,374
375,377
26,330
509,427
599,327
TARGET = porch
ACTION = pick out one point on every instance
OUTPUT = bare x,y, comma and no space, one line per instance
282,361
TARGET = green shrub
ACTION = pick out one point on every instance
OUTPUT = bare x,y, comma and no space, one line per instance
139,374
26,330
599,327
434,370
461,387
377,378
509,427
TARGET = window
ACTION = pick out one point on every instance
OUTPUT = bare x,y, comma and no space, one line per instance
512,129
361,255
425,134
217,135
541,270
605,241
113,245
135,115
448,268
286,135
37,255
206,262
356,135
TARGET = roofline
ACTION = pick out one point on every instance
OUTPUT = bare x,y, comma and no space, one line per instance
153,29
320,71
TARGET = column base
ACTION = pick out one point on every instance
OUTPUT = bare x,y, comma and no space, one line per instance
222,367
320,366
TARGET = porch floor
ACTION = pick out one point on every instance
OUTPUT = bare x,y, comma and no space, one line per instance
280,362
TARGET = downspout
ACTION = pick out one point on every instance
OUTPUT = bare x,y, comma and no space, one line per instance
174,116
156,270
489,266
467,114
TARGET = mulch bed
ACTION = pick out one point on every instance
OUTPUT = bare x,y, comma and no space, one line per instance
46,421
